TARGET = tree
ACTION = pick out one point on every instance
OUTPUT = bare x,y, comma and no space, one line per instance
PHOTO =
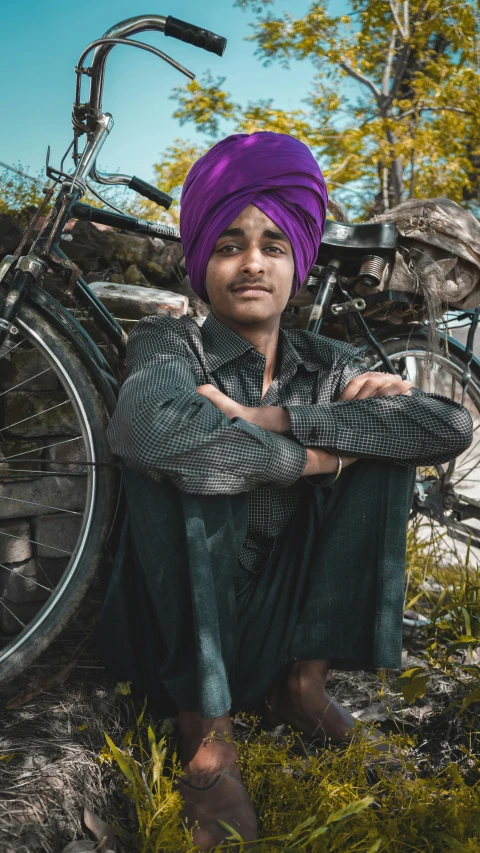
408,123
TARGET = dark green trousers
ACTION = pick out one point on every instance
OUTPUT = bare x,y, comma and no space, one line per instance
194,630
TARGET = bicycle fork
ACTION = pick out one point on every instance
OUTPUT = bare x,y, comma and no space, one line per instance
28,271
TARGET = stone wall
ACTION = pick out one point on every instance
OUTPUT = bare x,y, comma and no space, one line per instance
37,423
41,502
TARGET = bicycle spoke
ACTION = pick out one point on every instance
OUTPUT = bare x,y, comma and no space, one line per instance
45,447
10,350
25,381
42,473
33,542
44,506
35,415
2,602
25,577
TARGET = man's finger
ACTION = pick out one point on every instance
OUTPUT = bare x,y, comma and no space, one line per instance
375,385
353,387
385,386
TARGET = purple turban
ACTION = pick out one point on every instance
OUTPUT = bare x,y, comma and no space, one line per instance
275,172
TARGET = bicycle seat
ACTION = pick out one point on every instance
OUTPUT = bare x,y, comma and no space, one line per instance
352,241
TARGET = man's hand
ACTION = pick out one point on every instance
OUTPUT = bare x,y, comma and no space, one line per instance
273,418
376,385
226,405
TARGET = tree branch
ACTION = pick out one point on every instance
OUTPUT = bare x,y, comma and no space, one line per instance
361,79
435,110
393,7
388,67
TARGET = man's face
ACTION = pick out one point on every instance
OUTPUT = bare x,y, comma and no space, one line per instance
250,272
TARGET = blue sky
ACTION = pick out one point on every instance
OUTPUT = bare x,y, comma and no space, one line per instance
40,43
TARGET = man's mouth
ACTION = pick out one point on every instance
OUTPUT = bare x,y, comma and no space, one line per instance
249,288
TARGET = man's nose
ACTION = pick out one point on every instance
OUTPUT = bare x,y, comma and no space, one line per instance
253,261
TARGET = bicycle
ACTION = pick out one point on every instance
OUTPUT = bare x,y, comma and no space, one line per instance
58,482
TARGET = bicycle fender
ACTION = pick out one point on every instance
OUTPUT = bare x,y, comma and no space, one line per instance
85,347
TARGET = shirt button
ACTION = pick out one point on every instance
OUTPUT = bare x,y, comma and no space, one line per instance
313,434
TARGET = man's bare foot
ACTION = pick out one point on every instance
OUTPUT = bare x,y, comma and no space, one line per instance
300,699
211,787
206,747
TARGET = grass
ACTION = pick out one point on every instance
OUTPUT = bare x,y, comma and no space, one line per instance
313,799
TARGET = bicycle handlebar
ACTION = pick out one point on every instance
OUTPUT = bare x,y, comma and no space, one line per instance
88,117
150,192
195,35
131,26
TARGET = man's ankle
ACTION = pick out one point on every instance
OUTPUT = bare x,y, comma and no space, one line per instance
303,675
206,745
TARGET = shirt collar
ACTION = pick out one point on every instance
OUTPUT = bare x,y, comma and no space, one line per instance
222,345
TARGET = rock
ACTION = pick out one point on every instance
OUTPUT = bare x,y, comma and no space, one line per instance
25,582
66,451
133,275
42,495
17,454
158,244
14,541
156,273
56,535
34,413
28,369
10,235
91,244
132,303
170,260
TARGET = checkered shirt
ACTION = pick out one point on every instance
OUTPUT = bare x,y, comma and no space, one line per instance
162,427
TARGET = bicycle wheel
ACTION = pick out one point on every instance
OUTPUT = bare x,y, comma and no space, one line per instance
446,510
56,505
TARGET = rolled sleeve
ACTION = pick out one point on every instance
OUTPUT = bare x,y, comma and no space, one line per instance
287,460
422,429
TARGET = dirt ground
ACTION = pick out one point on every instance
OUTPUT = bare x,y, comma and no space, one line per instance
49,768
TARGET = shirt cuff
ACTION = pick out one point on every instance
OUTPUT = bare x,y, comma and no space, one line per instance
283,458
313,425
288,461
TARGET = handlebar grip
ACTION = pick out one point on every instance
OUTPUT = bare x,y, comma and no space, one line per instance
195,35
152,193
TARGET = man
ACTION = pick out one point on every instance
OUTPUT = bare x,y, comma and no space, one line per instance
268,478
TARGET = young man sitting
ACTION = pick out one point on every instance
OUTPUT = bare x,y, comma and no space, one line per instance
269,478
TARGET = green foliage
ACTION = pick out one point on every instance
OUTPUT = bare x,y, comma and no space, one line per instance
19,194
406,125
315,801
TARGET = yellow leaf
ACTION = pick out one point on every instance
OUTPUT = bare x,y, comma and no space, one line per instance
121,759
352,808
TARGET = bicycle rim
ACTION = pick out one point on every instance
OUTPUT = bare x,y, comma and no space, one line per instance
451,539
47,501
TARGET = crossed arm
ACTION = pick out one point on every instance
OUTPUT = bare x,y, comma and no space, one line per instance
167,425
276,419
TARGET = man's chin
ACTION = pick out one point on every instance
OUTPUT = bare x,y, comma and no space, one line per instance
253,313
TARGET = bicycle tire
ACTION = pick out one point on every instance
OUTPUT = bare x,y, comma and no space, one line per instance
100,490
451,363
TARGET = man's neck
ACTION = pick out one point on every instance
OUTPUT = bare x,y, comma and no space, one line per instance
264,337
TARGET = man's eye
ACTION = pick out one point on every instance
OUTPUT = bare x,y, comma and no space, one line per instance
229,248
276,250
